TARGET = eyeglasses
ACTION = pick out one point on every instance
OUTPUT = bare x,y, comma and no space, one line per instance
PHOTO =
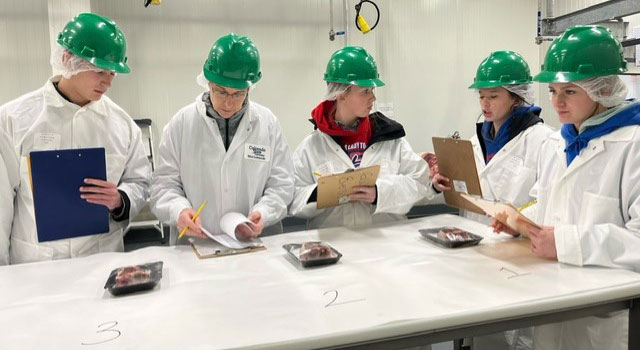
223,95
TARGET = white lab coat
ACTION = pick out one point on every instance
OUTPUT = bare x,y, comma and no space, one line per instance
44,120
402,182
511,173
9,181
509,177
594,206
193,166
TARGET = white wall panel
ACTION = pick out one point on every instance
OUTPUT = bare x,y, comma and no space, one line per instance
168,45
433,49
427,51
24,47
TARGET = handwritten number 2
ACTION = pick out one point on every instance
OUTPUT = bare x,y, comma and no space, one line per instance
334,298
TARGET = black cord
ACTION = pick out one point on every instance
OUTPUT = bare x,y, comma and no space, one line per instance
359,5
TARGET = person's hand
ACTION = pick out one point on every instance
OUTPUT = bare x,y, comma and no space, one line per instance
498,227
186,219
432,161
101,192
543,240
252,229
366,194
441,182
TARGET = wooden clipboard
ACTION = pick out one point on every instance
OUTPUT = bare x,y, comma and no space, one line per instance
334,189
213,251
457,162
505,213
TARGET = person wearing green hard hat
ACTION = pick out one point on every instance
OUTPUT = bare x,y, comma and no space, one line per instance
507,140
72,111
505,148
226,150
348,136
588,188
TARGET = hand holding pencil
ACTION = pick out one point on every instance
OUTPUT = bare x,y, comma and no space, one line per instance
189,223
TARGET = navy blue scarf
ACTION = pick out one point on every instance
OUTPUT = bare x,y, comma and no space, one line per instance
576,142
495,144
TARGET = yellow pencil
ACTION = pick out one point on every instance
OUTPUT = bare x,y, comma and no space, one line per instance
527,205
317,174
184,230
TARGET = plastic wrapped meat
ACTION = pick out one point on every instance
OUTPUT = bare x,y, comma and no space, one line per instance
132,275
315,250
134,278
454,235
312,253
450,236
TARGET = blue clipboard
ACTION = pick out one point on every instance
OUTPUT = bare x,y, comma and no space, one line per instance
56,177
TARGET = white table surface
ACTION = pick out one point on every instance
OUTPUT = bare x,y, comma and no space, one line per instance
389,282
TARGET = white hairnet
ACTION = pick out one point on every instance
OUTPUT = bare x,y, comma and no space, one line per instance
335,89
609,91
525,91
72,66
204,83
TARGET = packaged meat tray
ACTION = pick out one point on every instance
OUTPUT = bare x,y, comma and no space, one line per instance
450,237
313,253
129,279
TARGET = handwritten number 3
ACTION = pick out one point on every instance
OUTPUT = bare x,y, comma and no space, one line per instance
108,328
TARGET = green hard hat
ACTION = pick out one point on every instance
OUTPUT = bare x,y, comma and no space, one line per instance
354,66
233,62
582,52
96,39
501,68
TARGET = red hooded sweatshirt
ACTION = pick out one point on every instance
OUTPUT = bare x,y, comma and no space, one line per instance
354,143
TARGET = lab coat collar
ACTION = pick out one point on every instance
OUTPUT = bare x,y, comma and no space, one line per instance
502,153
53,98
249,114
244,128
333,145
595,147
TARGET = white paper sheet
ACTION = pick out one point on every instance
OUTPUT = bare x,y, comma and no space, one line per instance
230,221
230,242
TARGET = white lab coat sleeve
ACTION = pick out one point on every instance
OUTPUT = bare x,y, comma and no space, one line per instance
608,244
278,191
304,184
398,193
9,177
137,174
168,199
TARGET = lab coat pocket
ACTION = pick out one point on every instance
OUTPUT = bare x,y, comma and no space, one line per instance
24,252
115,167
599,209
